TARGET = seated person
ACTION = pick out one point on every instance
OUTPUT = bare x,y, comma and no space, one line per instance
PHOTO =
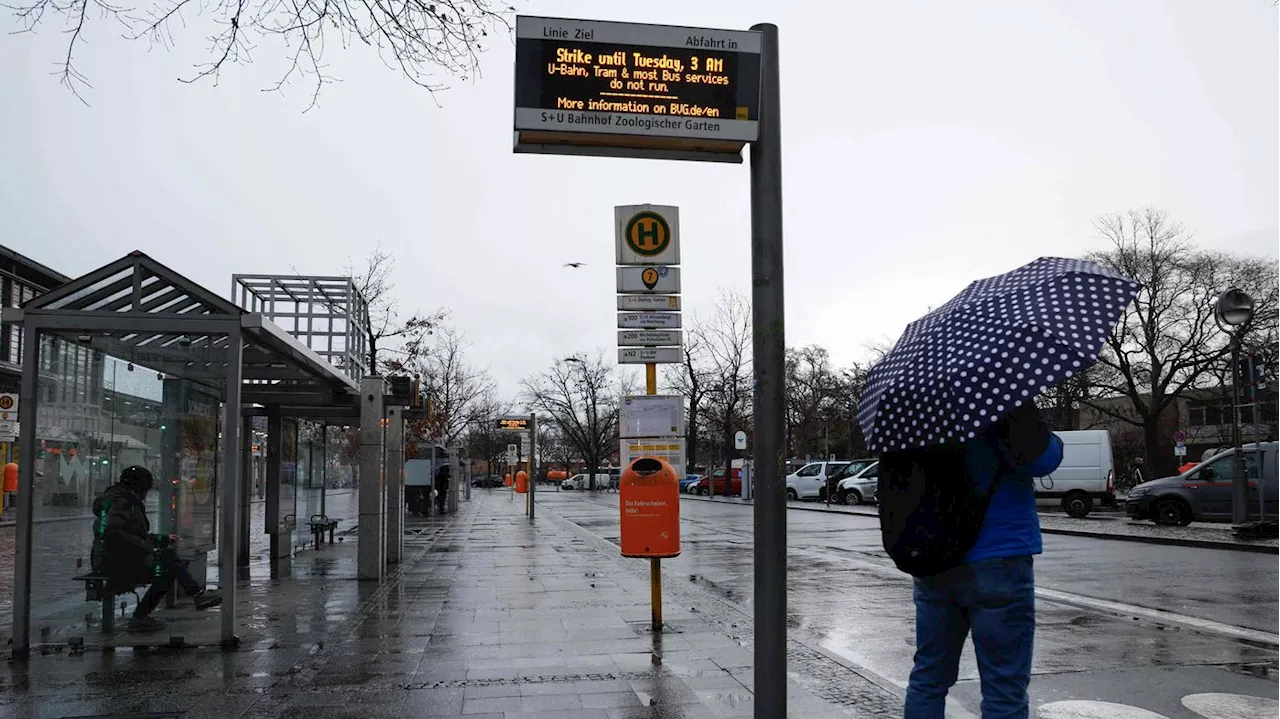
125,550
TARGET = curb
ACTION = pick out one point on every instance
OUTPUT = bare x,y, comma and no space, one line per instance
1168,541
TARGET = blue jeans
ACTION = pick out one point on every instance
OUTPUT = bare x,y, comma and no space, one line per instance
993,598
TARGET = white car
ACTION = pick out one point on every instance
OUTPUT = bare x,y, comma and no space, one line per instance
579,481
811,480
859,488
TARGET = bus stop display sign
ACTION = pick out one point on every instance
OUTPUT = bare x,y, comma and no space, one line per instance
590,87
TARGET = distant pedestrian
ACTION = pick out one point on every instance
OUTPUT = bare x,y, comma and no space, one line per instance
1137,471
962,520
442,487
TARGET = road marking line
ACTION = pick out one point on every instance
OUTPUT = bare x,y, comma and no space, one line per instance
1231,706
1088,709
1159,615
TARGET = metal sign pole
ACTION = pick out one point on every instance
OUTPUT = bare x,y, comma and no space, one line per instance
1239,484
655,564
769,340
533,452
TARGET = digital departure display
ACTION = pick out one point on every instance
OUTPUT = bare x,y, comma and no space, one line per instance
647,81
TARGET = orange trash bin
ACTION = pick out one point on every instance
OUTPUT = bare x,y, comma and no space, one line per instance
506,480
649,506
522,482
11,477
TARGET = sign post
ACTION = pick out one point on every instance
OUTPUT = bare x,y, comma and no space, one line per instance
533,452
769,357
587,87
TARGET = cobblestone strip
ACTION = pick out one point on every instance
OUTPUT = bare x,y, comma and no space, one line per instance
827,677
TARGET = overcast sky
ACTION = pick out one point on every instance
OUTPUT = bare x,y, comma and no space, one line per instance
925,144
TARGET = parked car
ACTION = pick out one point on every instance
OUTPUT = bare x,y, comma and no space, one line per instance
688,480
861,487
851,469
717,477
488,481
811,480
1203,493
1086,476
579,481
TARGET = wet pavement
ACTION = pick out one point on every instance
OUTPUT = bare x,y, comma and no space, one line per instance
1125,622
490,617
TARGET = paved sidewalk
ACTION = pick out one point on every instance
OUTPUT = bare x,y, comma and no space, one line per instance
490,617
1103,525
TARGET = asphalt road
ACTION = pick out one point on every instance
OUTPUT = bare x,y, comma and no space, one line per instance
1101,634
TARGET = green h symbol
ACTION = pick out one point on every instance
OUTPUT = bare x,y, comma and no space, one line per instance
647,234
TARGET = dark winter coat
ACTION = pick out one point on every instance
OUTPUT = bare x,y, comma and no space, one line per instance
123,547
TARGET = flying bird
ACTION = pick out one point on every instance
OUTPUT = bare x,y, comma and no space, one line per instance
574,265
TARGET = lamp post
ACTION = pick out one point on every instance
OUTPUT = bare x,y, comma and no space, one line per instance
1233,312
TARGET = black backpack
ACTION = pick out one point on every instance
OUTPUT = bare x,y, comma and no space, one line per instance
930,511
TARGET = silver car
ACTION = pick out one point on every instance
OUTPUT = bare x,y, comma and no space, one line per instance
861,487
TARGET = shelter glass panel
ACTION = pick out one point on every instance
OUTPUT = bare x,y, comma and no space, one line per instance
100,409
311,470
288,518
342,454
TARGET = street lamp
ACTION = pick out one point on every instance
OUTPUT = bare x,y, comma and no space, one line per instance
1233,311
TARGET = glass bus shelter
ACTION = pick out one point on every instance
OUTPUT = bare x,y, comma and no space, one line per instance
134,364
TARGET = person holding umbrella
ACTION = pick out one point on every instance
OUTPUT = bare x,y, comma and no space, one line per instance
951,411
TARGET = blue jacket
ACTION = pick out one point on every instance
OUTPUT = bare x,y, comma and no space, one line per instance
1012,527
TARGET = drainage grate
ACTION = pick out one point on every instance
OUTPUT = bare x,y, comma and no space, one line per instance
169,715
496,682
644,628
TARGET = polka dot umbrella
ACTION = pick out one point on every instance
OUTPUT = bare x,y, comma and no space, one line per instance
993,347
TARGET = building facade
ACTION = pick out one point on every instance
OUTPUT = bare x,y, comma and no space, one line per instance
1204,415
21,279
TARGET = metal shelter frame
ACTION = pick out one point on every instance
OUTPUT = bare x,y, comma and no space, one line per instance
137,308
330,315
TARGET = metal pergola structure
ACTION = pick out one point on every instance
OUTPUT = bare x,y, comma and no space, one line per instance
139,310
327,314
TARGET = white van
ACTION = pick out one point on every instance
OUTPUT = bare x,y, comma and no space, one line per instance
1086,476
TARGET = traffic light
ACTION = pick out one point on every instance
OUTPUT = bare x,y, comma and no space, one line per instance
1253,376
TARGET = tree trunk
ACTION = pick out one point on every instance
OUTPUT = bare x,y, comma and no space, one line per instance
691,438
1159,462
728,459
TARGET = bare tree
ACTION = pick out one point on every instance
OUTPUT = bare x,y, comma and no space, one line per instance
484,440
847,393
810,401
420,40
555,448
580,396
727,338
692,380
403,338
457,388
1060,406
1166,342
